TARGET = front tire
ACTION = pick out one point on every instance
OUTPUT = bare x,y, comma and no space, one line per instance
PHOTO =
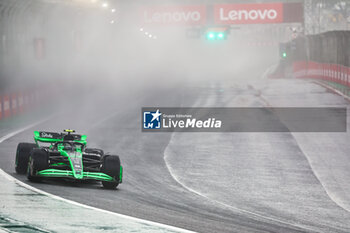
111,167
22,156
38,160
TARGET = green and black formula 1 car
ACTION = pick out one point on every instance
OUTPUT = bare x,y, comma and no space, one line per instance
66,156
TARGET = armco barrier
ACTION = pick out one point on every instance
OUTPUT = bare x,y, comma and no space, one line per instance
328,72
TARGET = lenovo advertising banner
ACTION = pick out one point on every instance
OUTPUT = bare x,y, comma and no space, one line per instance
259,13
174,15
223,14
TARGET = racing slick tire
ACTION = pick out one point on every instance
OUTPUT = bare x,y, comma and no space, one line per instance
38,160
22,156
111,167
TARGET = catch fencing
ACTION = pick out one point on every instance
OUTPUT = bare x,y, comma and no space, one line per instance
324,57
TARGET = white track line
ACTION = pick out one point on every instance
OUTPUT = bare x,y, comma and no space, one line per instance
236,209
11,178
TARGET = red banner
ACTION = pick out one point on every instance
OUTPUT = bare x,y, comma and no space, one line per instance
259,13
174,15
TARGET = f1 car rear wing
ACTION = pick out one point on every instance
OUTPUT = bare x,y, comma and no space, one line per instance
52,137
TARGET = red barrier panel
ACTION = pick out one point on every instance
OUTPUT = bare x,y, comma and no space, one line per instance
32,98
20,102
334,73
0,107
39,48
323,67
14,104
348,75
17,102
313,70
345,75
300,69
26,100
6,107
329,72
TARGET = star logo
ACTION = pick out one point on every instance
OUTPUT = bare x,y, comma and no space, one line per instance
152,120
156,115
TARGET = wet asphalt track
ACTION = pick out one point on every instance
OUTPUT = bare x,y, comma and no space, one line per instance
253,182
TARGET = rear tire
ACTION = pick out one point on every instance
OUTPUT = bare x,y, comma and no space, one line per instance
111,167
38,160
22,156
